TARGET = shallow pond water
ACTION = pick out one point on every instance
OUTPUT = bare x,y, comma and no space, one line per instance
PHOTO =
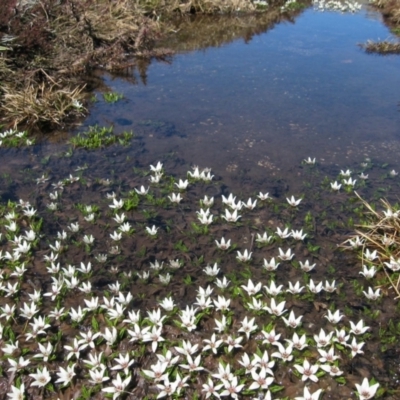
300,89
251,109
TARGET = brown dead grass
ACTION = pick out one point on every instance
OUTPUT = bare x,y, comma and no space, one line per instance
390,10
384,47
67,39
382,227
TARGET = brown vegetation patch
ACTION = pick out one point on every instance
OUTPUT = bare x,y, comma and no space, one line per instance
48,47
384,47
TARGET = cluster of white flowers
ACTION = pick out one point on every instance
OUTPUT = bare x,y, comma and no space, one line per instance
109,336
337,5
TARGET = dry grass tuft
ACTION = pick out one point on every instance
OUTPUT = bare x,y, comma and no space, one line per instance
384,47
45,103
382,234
66,39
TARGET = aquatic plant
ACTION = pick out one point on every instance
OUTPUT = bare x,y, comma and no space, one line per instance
96,137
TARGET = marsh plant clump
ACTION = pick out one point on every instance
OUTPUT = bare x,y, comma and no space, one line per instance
379,239
381,47
96,137
163,291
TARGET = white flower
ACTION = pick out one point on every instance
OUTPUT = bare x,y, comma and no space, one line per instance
142,191
330,287
97,375
66,375
372,295
156,178
315,288
294,289
157,168
118,387
211,271
210,390
346,173
228,200
182,185
117,204
152,231
251,289
276,309
41,378
327,356
293,202
270,265
154,336
18,365
335,317
248,327
17,393
310,161
370,256
264,238
222,303
292,322
88,239
206,176
298,235
356,242
350,182
260,380
308,396
123,362
231,217
175,198
250,205
306,266
167,304
222,244
393,173
212,344
195,174
308,371
165,279
271,337
394,265
264,196
246,256
358,329
323,339
282,234
272,289
222,283
285,256
119,218
336,186
284,353
208,202
231,388
365,391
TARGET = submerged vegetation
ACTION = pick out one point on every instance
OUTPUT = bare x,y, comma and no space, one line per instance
99,137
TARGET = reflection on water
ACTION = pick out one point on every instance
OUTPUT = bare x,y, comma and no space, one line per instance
299,89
